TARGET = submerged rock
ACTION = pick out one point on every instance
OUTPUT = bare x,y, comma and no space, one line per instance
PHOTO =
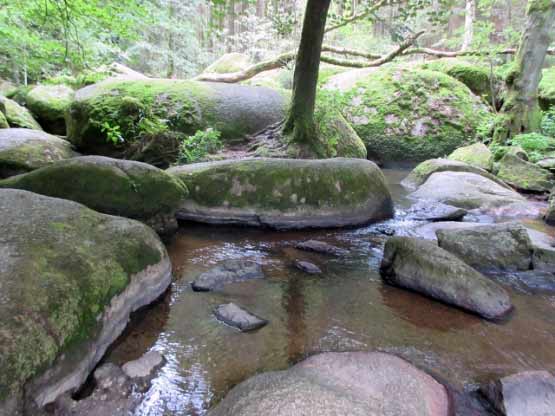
173,109
24,150
230,271
321,247
524,175
18,116
424,170
285,193
111,186
486,247
237,317
466,190
530,393
307,267
424,267
412,114
435,211
70,279
477,155
49,104
352,383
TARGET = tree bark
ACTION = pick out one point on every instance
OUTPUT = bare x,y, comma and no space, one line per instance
469,18
300,123
521,111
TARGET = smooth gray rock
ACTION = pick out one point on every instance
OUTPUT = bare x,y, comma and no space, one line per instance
530,393
307,267
285,193
230,271
488,247
332,384
550,213
83,273
435,211
424,267
321,247
543,257
466,190
237,317
145,366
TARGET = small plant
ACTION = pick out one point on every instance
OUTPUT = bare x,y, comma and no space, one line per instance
113,133
535,144
548,122
196,147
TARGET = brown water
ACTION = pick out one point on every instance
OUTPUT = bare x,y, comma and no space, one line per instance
346,308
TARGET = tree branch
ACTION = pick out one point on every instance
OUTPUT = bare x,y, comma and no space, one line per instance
358,16
352,52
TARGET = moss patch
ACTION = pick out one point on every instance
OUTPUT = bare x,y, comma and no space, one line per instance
19,116
49,104
546,91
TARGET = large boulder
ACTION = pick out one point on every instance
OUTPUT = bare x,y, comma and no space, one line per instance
524,175
476,76
412,114
424,267
351,383
424,170
146,119
49,103
229,63
24,150
111,186
546,89
530,393
70,279
17,115
3,122
477,154
486,247
466,190
285,193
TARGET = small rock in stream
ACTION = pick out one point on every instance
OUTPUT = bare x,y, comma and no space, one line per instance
530,393
435,211
144,367
235,316
321,247
307,267
230,271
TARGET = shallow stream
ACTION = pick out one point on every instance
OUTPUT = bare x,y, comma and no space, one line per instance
346,308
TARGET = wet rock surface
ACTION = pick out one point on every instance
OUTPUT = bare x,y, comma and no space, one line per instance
307,267
230,271
357,384
321,247
424,267
435,211
530,393
237,317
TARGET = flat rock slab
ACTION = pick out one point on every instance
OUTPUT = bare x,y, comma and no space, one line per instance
435,211
331,384
307,267
530,393
322,248
145,366
237,317
423,267
230,271
489,247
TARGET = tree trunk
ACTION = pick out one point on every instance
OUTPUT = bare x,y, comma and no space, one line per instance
470,16
521,109
300,121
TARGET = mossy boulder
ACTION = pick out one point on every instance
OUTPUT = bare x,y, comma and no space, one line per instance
285,193
3,122
147,119
111,186
476,76
70,279
17,115
49,103
229,63
477,154
546,90
524,175
7,87
424,170
24,150
407,114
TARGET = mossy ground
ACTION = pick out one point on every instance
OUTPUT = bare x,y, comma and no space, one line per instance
409,114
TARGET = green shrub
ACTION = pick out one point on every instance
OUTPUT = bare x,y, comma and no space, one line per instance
535,144
196,147
548,122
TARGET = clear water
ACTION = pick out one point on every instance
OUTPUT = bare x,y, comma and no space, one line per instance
346,308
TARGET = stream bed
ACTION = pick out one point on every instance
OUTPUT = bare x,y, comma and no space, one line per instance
346,308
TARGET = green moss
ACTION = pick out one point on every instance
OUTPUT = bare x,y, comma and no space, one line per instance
524,175
536,145
229,63
49,103
476,155
3,122
546,91
403,114
19,116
